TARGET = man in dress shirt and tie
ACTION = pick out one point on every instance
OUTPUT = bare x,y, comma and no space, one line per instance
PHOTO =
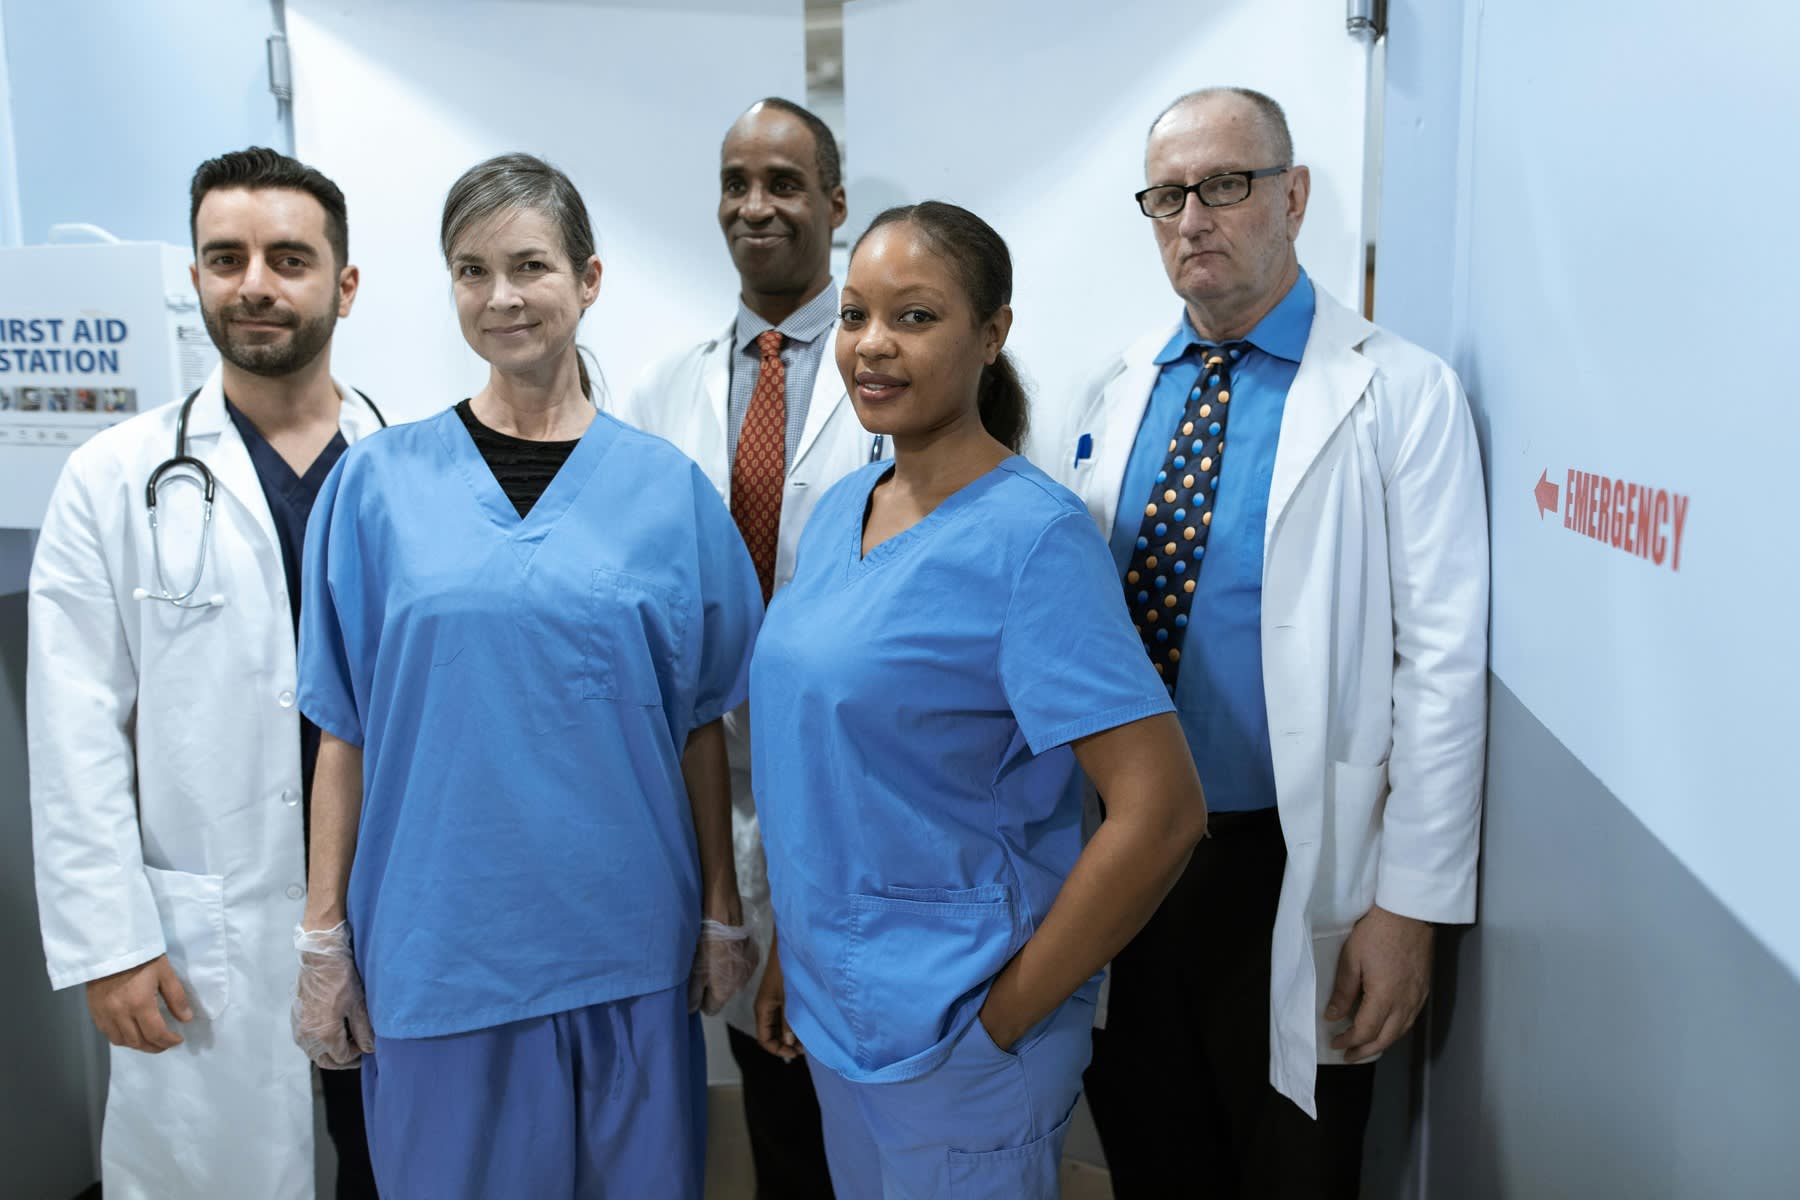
761,407
1295,503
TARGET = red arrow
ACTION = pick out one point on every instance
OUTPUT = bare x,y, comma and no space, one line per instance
1546,493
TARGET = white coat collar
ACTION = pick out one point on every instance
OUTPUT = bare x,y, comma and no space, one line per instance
1332,377
1120,410
827,394
213,438
715,377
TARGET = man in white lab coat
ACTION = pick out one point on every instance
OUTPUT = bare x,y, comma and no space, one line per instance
1295,503
169,766
761,407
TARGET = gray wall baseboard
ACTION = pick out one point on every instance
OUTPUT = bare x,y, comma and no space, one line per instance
1609,1028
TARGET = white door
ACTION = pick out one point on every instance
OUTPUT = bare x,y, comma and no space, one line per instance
1033,114
396,98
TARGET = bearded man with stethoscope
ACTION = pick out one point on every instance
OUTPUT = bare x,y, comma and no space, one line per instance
169,764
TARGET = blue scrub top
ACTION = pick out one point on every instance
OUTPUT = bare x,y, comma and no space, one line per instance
522,690
911,714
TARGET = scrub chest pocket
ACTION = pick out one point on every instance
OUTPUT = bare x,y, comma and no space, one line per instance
635,638
910,955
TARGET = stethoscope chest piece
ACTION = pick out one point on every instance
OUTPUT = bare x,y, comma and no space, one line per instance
183,465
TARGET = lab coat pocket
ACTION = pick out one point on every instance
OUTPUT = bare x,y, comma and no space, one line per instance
911,955
1027,1172
192,911
635,635
1350,850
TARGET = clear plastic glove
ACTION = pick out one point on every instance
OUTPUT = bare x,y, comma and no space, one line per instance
724,961
330,1020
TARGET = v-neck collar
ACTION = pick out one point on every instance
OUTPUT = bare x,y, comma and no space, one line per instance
528,531
897,545
267,459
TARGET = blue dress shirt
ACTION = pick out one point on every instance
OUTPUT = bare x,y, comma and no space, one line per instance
1219,692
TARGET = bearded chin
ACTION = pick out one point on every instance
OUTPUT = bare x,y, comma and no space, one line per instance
278,359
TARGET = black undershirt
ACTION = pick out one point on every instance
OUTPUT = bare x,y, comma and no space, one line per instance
524,468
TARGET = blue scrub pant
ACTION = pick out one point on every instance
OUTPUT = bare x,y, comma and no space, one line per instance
604,1101
986,1124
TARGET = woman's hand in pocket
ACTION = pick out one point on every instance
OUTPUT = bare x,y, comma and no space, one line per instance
1002,1029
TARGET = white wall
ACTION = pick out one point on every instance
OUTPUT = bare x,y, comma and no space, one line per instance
1623,275
115,103
1033,115
396,98
9,160
1620,1022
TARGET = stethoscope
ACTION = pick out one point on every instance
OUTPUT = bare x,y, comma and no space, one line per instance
875,447
183,461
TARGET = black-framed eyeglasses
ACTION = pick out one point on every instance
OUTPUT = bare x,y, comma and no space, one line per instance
1215,191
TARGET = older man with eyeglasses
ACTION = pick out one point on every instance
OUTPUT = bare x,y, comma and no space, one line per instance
1295,504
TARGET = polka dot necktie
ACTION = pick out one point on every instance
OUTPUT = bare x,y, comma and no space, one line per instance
1171,544
760,469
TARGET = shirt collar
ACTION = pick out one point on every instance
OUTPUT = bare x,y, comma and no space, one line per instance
804,324
1282,332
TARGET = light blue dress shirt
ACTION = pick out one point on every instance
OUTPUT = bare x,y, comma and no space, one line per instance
1219,691
803,356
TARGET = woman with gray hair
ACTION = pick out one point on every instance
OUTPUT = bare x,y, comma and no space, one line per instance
523,623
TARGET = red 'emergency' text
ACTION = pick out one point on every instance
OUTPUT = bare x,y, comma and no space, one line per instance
1633,517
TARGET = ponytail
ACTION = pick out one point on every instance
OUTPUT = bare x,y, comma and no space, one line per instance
1005,410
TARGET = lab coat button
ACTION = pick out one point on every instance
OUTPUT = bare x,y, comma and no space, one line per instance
286,699
290,797
295,891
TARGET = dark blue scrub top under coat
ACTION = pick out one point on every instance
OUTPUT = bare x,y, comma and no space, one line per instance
290,498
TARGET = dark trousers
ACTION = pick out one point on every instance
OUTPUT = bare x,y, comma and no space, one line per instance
787,1143
344,1121
1179,1084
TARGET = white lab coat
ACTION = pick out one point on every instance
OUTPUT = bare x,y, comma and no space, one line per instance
683,397
165,798
1374,638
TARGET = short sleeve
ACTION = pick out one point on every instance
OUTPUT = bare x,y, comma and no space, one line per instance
329,569
731,607
1070,662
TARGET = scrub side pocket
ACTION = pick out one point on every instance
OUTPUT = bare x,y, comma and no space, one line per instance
911,956
635,633
1027,1172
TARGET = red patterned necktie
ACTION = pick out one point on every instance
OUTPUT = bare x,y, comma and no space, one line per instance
760,470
